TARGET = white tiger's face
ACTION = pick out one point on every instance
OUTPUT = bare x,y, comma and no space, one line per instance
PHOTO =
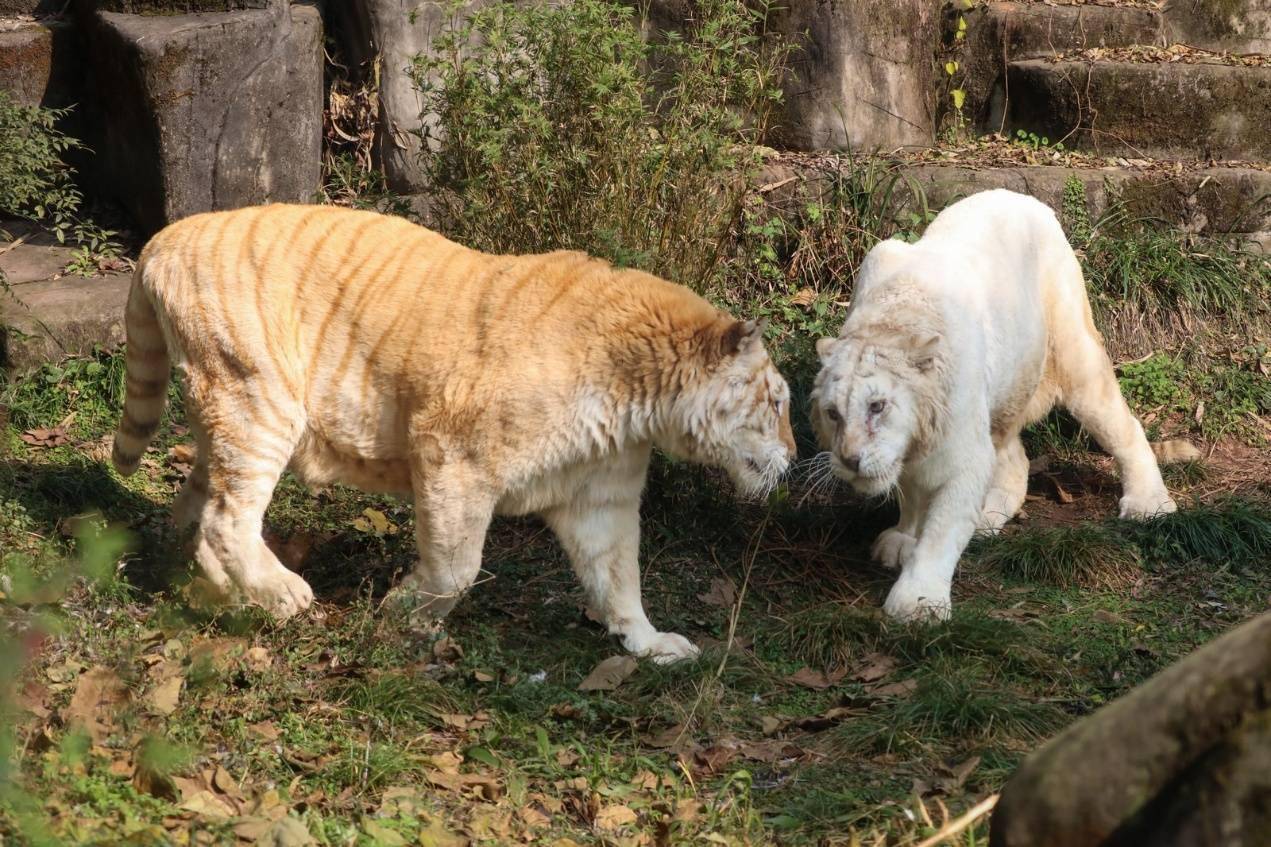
865,413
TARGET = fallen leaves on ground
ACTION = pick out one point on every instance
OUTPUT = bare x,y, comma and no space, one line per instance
46,436
818,680
609,674
99,697
722,592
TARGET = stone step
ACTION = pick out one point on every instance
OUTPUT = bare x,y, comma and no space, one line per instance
38,62
1002,32
50,314
1144,109
1211,201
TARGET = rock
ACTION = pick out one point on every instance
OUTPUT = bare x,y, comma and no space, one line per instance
1237,26
39,65
31,7
1206,201
862,75
999,33
1144,109
1184,759
201,112
178,7
61,317
1211,201
1220,801
395,31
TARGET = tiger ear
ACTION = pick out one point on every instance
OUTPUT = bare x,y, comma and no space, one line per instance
742,337
925,350
825,347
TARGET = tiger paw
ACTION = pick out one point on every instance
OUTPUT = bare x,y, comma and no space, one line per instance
281,593
893,548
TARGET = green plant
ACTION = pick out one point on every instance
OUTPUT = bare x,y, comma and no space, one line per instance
37,184
563,127
1036,142
350,183
1154,382
1076,214
1235,398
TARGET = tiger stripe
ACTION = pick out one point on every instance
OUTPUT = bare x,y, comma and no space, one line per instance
358,348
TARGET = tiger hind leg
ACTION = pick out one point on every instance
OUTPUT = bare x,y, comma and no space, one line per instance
246,451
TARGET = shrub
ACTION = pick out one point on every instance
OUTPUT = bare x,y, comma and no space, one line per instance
563,127
35,182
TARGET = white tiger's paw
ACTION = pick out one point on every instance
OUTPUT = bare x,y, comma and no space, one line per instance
666,647
919,600
281,592
1143,507
996,513
893,548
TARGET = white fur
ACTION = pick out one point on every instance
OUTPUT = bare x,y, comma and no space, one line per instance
959,341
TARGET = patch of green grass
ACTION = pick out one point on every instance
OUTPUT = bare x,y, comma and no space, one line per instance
1154,382
1087,555
1235,532
1145,270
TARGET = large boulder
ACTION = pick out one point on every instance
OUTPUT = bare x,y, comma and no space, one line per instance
862,74
1184,759
194,113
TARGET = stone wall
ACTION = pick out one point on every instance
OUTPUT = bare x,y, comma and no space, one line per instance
192,113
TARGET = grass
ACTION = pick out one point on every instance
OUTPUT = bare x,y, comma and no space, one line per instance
332,717
1086,555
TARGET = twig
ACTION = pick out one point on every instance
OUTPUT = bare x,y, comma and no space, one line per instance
954,827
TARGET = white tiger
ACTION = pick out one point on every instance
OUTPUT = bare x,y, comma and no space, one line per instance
951,346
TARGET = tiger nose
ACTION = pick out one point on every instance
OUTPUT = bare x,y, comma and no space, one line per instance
852,463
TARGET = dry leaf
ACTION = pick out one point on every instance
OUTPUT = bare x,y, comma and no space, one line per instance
723,592
258,659
772,725
46,436
267,730
208,805
818,680
900,689
873,667
614,817
98,696
609,674
446,649
565,757
804,297
163,698
1060,491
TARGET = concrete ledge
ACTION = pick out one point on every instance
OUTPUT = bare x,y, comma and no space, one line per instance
1144,109
61,317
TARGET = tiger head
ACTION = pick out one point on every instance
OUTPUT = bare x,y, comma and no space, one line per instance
734,409
877,402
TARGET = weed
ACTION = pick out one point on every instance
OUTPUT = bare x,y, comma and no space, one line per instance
1138,270
1076,213
351,183
563,127
1235,397
1233,532
1153,383
1033,141
1088,555
37,184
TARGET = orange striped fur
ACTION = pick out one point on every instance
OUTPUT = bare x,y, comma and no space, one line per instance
358,348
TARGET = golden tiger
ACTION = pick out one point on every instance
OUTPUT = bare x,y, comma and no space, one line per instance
358,348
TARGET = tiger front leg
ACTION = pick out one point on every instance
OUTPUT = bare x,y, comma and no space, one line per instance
452,514
602,538
924,589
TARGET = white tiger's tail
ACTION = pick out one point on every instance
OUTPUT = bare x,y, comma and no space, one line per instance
148,368
1168,452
